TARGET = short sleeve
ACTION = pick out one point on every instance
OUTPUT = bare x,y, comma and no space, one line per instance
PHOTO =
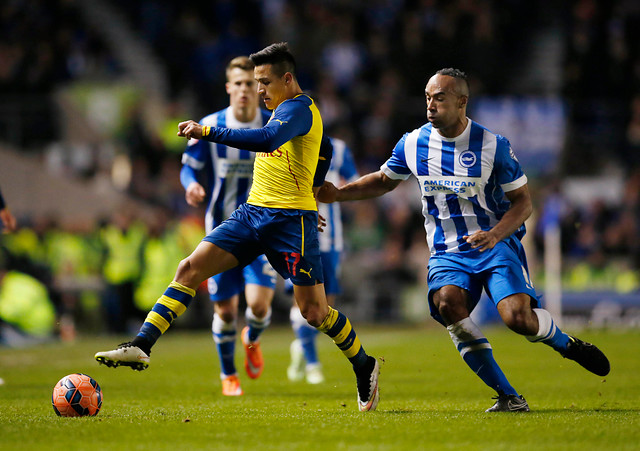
508,171
194,154
396,166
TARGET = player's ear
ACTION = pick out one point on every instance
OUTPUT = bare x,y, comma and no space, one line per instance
462,101
227,86
288,77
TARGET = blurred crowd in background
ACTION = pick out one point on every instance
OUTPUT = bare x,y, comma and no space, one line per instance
367,64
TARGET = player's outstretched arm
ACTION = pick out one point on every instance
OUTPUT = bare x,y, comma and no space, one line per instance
292,118
371,185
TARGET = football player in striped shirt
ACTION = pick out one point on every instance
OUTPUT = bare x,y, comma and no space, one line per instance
226,172
279,219
304,356
475,200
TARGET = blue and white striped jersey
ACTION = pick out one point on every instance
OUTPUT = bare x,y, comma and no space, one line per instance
342,166
462,181
227,171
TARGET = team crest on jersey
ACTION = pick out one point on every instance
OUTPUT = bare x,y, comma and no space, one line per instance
467,159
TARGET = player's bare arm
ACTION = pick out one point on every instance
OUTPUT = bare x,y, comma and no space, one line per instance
519,211
194,194
322,221
190,129
371,185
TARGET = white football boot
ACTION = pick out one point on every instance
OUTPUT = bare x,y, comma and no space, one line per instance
125,355
296,370
313,373
368,394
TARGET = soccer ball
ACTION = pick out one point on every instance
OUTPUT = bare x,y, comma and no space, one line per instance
76,395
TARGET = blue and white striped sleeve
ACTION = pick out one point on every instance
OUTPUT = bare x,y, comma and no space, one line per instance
396,166
508,171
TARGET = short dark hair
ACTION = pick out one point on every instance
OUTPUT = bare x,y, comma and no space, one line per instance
279,56
460,76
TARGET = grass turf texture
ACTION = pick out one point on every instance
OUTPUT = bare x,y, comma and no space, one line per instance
429,398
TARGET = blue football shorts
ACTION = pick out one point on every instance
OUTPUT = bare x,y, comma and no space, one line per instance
287,237
501,271
331,272
229,283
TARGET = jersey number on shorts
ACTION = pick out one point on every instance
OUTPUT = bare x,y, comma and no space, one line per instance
292,267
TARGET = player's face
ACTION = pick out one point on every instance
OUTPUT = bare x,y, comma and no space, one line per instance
445,105
241,88
272,88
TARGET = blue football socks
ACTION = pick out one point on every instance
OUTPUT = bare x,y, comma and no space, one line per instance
256,325
478,355
305,333
548,332
224,336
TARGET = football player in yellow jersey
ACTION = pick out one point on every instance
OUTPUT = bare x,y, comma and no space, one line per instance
279,220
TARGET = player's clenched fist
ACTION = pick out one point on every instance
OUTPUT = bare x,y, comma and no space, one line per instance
190,129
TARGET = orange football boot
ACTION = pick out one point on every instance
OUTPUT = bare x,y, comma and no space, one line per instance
253,362
231,386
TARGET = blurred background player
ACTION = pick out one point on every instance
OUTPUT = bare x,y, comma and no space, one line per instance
27,314
122,240
304,356
227,172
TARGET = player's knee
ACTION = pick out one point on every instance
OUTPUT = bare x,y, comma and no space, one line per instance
227,316
516,319
184,268
451,302
451,310
187,274
312,314
226,310
259,310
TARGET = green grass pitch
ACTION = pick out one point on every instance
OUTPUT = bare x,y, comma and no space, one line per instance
429,398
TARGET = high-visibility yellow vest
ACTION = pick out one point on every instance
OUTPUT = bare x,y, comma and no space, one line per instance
160,259
25,303
123,260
